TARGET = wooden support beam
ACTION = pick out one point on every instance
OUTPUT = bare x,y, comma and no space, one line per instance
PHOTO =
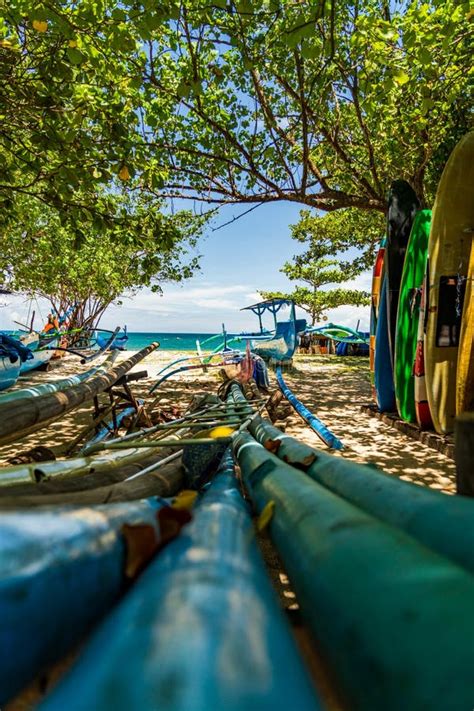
464,453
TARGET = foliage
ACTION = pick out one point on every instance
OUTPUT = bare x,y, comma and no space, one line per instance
333,234
323,103
316,302
42,256
68,121
315,101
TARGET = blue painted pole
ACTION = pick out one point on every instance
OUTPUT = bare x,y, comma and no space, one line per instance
314,422
200,631
61,569
55,386
394,620
442,523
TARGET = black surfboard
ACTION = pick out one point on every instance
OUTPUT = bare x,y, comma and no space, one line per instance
402,207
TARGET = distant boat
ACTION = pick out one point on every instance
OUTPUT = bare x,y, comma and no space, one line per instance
349,341
279,344
13,353
119,342
42,350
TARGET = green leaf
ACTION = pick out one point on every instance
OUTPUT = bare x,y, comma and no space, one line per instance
184,89
400,77
75,55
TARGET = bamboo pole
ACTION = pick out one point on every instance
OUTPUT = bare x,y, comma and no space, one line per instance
34,391
201,630
393,619
156,478
27,415
442,523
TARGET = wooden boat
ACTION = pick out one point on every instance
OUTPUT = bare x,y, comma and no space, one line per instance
9,372
449,264
32,391
279,345
402,207
41,356
13,353
414,269
341,334
41,347
119,341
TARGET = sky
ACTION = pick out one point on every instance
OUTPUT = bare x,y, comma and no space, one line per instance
237,260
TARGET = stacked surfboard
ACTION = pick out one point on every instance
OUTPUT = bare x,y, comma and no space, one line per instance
422,317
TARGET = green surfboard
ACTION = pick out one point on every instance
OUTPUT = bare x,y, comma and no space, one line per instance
408,314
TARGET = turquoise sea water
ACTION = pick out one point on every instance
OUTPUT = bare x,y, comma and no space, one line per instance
171,341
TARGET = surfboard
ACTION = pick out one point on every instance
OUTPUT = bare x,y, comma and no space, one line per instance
423,414
385,394
414,268
374,308
449,258
465,375
402,207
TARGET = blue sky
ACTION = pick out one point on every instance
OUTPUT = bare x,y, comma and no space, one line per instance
237,260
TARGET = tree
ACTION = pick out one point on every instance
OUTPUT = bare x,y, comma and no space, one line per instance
84,274
319,102
333,234
69,123
315,101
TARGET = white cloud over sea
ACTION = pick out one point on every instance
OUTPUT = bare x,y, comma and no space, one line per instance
195,306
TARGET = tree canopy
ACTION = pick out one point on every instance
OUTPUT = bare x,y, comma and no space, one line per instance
319,102
84,274
326,260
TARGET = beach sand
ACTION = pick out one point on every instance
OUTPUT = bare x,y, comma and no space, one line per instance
334,388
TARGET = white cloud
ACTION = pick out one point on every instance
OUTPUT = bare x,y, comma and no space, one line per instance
190,307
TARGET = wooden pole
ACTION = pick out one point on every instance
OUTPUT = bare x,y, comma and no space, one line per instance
464,453
25,415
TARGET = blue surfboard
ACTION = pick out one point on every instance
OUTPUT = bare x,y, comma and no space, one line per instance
384,387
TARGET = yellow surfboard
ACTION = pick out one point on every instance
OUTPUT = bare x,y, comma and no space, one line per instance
465,375
449,259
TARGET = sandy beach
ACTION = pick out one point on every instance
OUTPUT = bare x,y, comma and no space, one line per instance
334,388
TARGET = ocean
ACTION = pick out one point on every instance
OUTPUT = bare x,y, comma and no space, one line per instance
172,341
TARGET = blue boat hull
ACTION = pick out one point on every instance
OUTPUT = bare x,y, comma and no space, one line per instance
9,372
40,357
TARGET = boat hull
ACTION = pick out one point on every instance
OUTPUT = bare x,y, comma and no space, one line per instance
40,357
9,372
